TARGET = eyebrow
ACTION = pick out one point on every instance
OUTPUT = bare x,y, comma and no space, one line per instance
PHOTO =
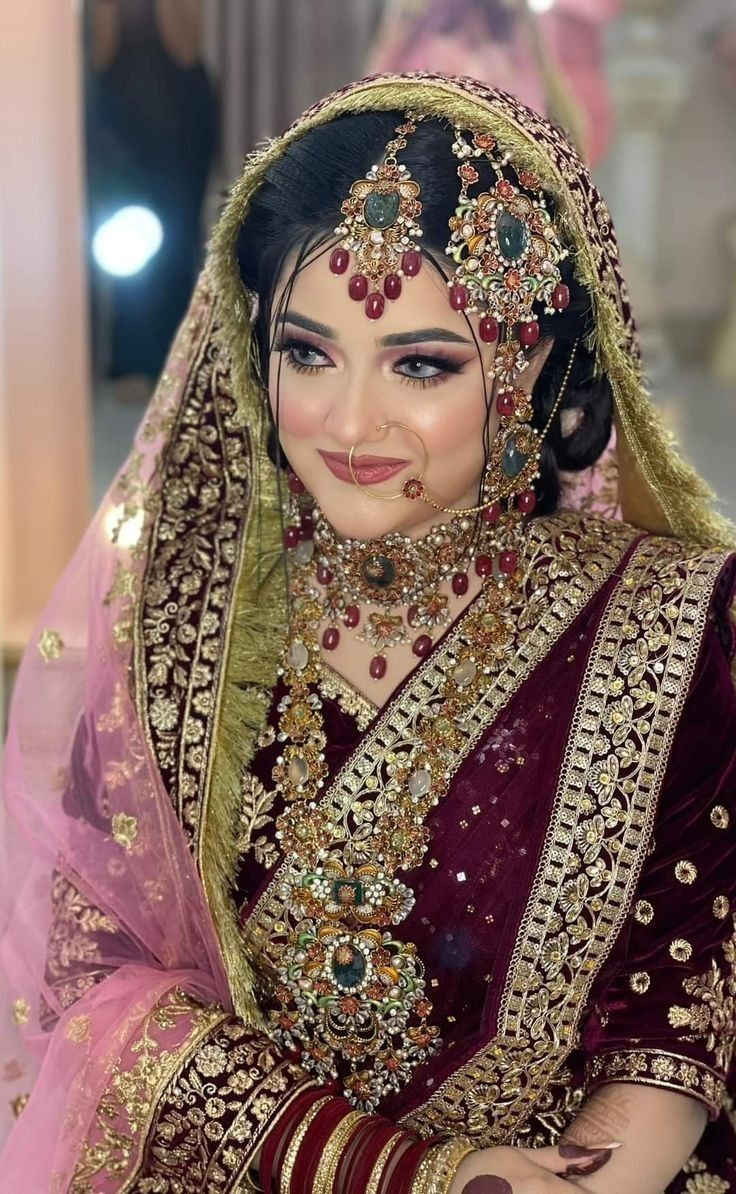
395,340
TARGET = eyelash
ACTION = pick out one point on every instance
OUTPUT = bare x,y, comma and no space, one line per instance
447,366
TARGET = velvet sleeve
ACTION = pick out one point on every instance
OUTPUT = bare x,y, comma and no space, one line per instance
664,1012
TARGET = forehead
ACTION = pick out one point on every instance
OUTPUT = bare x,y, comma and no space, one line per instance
323,297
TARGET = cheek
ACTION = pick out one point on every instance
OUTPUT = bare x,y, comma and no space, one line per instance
451,427
296,413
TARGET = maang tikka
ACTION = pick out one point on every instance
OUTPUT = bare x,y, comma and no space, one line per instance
380,228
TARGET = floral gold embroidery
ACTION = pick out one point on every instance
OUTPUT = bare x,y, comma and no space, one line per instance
681,950
686,872
657,1067
256,805
647,647
719,816
50,645
712,1018
124,830
78,1029
352,702
118,1135
721,907
643,912
703,1182
639,982
21,1011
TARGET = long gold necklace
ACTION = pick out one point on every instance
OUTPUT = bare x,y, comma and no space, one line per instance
350,993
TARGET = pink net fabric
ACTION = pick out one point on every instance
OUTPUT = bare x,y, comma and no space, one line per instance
84,807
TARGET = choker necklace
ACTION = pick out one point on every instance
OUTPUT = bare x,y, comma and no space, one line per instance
403,577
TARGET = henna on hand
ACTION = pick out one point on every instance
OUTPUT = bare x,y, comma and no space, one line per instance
488,1184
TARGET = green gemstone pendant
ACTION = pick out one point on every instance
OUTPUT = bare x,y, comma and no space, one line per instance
512,236
380,211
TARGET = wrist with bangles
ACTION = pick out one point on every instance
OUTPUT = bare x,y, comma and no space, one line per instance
322,1145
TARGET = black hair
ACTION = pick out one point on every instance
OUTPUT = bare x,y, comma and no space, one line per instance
297,209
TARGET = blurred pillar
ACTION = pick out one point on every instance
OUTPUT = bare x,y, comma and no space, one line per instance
648,88
44,388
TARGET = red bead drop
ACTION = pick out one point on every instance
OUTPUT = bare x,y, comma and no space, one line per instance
295,485
488,329
459,297
505,404
324,576
330,638
378,667
526,501
358,287
483,565
392,286
528,334
291,536
491,514
352,617
339,261
561,297
507,562
411,262
374,305
460,583
411,614
307,527
422,646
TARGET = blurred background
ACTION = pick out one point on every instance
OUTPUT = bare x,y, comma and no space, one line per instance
122,122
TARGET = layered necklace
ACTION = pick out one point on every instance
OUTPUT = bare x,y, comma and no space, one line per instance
403,577
352,995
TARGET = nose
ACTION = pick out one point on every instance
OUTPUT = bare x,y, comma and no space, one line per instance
354,415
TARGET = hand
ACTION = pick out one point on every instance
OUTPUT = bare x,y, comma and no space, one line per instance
528,1170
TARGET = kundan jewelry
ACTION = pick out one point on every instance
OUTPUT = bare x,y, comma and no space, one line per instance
380,228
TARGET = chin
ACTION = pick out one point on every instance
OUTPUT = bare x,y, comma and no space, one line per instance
361,518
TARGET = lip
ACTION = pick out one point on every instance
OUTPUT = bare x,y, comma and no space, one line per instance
369,470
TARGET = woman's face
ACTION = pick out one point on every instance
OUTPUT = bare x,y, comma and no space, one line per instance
339,380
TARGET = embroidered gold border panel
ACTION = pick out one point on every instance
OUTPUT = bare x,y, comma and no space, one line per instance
638,676
658,1067
187,586
570,558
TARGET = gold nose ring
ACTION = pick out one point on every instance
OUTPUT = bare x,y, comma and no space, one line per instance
390,497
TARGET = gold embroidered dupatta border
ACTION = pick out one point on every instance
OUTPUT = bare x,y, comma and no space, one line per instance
570,558
636,682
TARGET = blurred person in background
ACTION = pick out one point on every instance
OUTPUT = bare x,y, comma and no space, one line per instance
370,786
550,55
151,136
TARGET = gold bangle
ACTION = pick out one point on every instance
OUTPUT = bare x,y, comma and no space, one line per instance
374,1180
324,1178
437,1171
296,1142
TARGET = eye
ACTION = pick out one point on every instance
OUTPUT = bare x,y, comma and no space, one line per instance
302,356
425,370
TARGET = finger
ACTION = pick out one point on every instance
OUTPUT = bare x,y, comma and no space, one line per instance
559,1158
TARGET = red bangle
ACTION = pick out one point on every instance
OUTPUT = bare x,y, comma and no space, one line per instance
314,1142
376,1133
352,1152
394,1159
410,1162
277,1141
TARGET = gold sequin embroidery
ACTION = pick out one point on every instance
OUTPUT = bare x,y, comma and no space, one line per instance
124,830
721,907
719,816
21,1012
